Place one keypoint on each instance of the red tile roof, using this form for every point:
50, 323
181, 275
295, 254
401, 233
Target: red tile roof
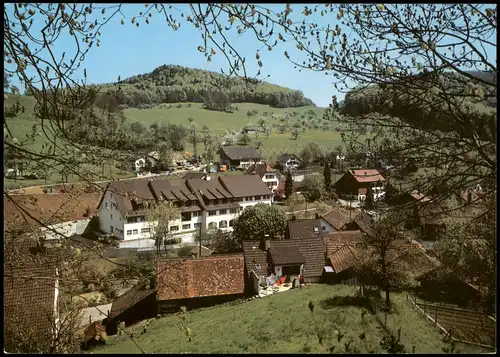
336, 218
210, 276
48, 208
259, 169
367, 175
29, 296
336, 240
343, 258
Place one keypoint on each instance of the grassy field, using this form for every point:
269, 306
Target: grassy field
22, 125
282, 323
220, 122
217, 121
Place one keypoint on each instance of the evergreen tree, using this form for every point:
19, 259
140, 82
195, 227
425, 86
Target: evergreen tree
370, 200
288, 184
327, 174
390, 193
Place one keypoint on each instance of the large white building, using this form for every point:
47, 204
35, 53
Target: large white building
202, 203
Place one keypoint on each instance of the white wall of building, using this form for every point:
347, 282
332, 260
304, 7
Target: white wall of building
109, 216
251, 201
271, 177
278, 271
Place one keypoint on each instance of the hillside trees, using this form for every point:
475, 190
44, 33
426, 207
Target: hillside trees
259, 221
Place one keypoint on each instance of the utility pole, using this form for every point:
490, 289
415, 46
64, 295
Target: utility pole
199, 253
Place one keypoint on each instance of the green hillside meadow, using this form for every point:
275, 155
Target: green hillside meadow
283, 323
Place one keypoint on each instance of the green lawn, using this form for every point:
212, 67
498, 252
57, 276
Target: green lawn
282, 323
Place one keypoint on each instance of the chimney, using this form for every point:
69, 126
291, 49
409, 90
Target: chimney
469, 196
294, 218
207, 177
268, 244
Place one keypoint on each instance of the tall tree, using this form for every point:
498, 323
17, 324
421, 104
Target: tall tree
370, 199
288, 184
159, 217
260, 220
385, 259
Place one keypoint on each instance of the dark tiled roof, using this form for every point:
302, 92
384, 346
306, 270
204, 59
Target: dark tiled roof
286, 255
343, 258
211, 189
286, 157
210, 276
29, 296
304, 228
125, 191
240, 152
336, 240
172, 190
129, 299
246, 185
312, 249
365, 223
193, 175
336, 218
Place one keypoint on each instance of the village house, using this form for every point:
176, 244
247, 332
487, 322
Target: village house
199, 282
354, 184
202, 203
133, 306
346, 249
303, 228
53, 215
335, 220
291, 258
238, 157
289, 161
268, 175
363, 222
141, 163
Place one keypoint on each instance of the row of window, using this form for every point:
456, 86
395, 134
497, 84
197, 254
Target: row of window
222, 211
211, 225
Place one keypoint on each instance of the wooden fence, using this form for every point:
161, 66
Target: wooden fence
461, 325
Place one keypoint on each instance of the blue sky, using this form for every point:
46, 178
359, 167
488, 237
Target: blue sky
127, 50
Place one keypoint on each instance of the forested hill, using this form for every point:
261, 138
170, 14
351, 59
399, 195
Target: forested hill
173, 84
